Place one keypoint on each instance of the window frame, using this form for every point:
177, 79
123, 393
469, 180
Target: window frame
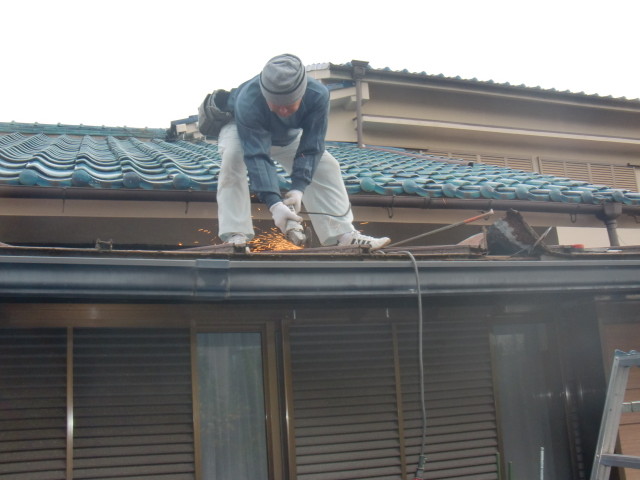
274, 437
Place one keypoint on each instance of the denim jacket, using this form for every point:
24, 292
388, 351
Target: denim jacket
259, 129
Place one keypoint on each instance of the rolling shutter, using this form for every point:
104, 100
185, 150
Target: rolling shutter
517, 163
615, 176
132, 404
461, 420
625, 177
33, 423
346, 413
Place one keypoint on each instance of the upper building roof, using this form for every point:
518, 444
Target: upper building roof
144, 159
347, 68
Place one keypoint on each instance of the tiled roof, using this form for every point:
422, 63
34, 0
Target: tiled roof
120, 161
426, 76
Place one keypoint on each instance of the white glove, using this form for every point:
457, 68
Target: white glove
281, 214
294, 198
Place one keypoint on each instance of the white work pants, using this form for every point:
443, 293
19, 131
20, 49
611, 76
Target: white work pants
325, 194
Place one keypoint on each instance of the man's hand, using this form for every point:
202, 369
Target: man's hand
294, 198
281, 214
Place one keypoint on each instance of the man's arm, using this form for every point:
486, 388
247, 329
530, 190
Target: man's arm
256, 143
311, 148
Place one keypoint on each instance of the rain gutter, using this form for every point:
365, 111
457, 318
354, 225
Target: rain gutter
361, 200
388, 201
221, 280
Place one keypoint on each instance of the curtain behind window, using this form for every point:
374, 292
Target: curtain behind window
232, 409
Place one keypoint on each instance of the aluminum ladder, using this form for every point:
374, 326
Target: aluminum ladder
614, 405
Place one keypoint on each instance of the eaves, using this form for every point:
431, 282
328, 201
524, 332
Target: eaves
490, 88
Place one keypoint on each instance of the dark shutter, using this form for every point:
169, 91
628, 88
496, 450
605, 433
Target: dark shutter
346, 419
132, 404
33, 404
461, 420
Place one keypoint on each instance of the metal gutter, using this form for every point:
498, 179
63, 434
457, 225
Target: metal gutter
220, 280
361, 200
387, 201
88, 193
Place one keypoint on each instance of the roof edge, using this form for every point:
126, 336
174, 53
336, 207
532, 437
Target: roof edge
423, 77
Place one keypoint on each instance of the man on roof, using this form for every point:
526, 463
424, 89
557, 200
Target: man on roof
281, 116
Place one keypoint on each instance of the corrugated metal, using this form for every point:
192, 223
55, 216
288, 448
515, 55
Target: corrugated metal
32, 404
132, 402
346, 419
461, 419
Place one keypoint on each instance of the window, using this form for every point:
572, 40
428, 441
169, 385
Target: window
232, 411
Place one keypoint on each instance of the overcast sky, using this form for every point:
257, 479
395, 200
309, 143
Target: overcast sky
143, 63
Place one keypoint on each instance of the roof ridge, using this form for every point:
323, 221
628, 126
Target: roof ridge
70, 129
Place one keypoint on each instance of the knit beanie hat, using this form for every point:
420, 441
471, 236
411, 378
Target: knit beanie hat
283, 80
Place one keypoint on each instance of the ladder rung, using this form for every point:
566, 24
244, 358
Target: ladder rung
624, 461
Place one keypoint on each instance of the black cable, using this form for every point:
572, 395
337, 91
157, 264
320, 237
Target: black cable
327, 214
423, 406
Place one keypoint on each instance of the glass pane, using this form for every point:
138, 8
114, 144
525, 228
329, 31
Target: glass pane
530, 392
232, 409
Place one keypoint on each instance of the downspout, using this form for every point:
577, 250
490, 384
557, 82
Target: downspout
358, 72
610, 212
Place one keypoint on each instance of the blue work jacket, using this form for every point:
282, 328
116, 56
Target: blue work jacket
259, 128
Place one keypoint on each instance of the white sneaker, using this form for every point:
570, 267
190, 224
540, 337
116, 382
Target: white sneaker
237, 240
356, 238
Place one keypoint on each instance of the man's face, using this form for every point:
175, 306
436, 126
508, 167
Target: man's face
284, 111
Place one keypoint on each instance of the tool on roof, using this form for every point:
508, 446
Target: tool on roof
446, 227
294, 232
604, 458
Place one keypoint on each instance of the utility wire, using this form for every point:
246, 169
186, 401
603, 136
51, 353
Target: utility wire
327, 214
442, 229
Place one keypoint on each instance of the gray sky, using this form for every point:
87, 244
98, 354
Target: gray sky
146, 62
